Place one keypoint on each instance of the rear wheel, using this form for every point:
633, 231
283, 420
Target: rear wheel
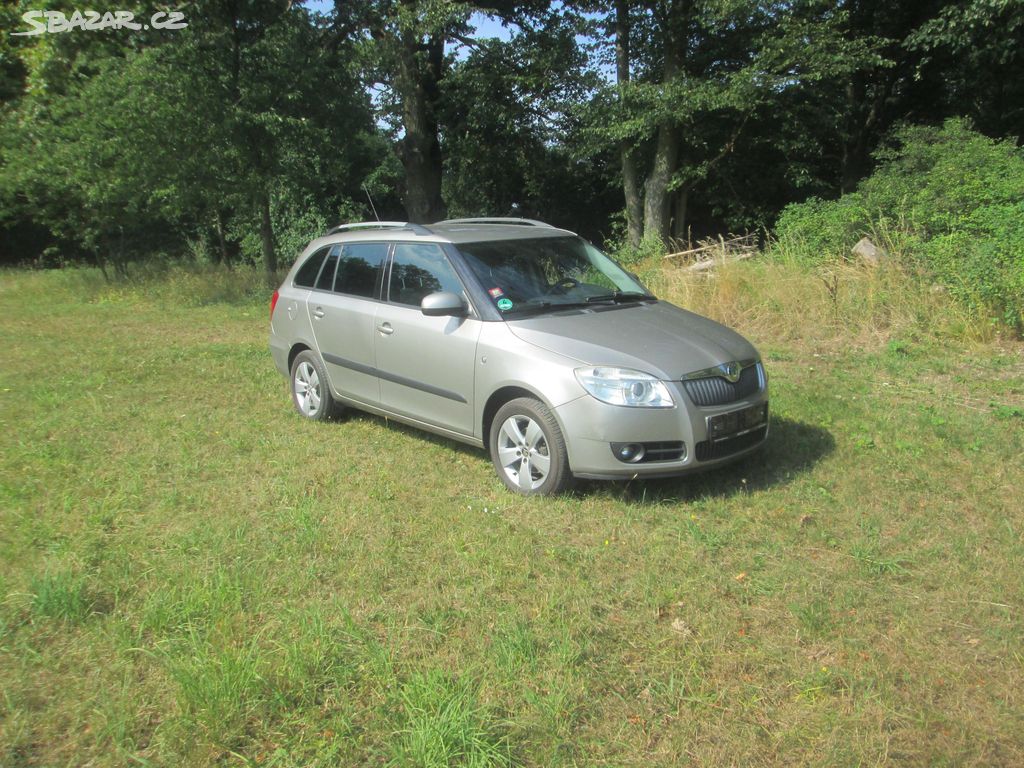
310, 392
528, 450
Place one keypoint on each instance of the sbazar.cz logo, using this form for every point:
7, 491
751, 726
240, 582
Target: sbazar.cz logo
52, 22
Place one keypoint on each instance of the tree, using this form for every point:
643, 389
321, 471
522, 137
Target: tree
404, 54
690, 75
245, 105
499, 158
978, 47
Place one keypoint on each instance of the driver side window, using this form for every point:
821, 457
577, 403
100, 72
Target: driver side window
419, 269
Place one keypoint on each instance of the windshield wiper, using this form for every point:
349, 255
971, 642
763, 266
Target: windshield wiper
544, 306
619, 296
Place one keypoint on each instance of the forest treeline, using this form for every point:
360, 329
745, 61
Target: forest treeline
261, 123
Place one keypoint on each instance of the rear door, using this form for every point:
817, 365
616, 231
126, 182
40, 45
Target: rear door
426, 364
341, 306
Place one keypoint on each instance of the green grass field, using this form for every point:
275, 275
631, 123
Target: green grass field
191, 574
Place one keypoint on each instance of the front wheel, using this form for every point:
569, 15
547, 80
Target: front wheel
310, 391
528, 450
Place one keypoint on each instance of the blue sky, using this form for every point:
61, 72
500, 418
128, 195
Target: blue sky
485, 25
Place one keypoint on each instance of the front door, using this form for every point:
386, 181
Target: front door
426, 364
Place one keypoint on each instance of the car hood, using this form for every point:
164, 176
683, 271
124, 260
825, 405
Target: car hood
656, 337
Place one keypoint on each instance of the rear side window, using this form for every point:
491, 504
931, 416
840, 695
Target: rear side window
326, 279
359, 269
419, 269
306, 276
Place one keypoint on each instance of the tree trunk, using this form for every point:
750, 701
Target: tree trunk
222, 240
630, 170
679, 217
102, 264
119, 257
656, 197
852, 161
634, 195
421, 148
666, 149
267, 240
864, 114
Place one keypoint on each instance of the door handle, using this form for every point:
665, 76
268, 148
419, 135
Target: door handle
385, 329
318, 313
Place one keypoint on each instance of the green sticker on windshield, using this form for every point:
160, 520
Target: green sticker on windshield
504, 304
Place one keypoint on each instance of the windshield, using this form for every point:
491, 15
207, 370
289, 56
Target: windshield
549, 273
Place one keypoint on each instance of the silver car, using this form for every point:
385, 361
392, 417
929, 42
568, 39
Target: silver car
520, 338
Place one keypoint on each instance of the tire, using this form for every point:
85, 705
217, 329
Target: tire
311, 394
526, 424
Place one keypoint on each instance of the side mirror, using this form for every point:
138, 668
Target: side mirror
443, 303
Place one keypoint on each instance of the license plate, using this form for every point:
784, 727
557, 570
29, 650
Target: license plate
737, 422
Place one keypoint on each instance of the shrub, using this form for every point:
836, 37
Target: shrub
650, 247
946, 202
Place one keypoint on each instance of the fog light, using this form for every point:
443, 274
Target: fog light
628, 452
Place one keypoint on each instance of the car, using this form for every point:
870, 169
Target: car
520, 338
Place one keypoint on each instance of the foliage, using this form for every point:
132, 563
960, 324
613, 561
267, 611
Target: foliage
704, 76
946, 201
498, 160
244, 109
651, 248
244, 134
972, 61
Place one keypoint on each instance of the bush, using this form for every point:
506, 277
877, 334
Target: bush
650, 247
946, 202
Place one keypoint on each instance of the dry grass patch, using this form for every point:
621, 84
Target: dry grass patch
837, 307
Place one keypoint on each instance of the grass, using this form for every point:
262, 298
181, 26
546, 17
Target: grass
190, 574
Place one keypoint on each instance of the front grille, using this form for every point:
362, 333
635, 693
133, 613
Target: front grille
708, 451
715, 390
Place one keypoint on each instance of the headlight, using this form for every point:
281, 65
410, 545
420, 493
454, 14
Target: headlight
623, 386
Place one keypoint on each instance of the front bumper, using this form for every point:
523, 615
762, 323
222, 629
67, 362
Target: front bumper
590, 427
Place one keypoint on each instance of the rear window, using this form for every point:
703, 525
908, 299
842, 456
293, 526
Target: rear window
359, 269
306, 276
326, 279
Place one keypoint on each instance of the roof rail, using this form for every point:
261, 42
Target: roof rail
499, 220
419, 229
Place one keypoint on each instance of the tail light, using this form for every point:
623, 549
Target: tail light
273, 303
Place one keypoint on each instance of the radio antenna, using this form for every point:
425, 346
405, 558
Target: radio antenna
372, 206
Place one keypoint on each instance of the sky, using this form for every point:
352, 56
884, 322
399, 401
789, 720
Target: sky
485, 25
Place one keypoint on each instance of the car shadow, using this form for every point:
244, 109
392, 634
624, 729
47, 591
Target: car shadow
351, 414
792, 448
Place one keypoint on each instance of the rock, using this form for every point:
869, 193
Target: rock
869, 253
936, 288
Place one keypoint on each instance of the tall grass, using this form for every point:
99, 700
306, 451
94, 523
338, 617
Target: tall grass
177, 283
189, 285
220, 684
444, 725
833, 305
61, 595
